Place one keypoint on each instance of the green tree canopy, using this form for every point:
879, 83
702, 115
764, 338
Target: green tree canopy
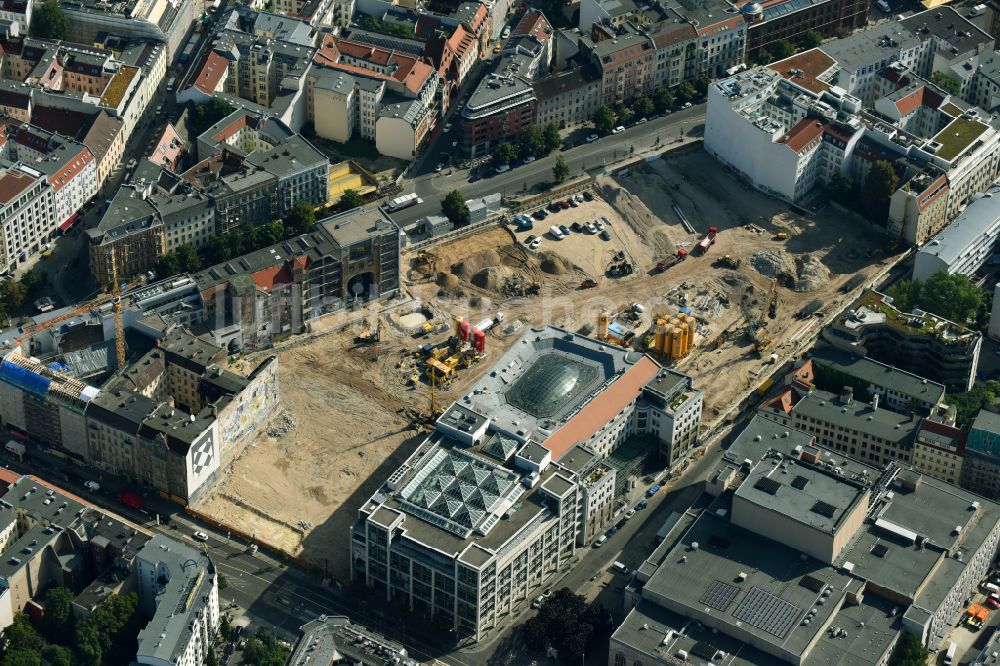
349, 200
59, 621
663, 99
879, 186
810, 39
909, 652
48, 20
203, 116
505, 153
263, 649
625, 115
455, 209
684, 93
782, 49
560, 170
567, 622
551, 139
951, 296
301, 219
946, 82
604, 119
905, 294
643, 106
531, 143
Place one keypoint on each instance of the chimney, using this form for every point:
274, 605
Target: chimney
847, 395
874, 402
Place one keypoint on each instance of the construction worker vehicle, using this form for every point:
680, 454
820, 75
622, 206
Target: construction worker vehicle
781, 235
708, 241
729, 261
672, 261
588, 283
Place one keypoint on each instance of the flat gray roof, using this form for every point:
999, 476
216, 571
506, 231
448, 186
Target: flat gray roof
981, 218
357, 225
880, 374
858, 416
871, 45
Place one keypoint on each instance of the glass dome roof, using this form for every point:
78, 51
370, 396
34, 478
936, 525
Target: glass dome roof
549, 384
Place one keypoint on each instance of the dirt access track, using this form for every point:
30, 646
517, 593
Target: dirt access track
348, 409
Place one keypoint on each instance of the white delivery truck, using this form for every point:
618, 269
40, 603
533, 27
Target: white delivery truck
17, 448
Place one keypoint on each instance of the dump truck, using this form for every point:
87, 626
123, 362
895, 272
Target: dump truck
729, 261
588, 283
672, 261
708, 241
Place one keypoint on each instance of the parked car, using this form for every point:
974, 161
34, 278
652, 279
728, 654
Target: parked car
564, 204
629, 513
556, 232
92, 486
576, 227
503, 168
641, 505
618, 130
600, 541
613, 531
687, 105
591, 229
599, 225
605, 235
565, 230
573, 203
540, 214
200, 536
592, 138
587, 196
535, 244
528, 239
447, 128
529, 159
438, 168
554, 207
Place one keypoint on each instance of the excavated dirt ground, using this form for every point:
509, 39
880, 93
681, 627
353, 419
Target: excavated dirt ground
352, 406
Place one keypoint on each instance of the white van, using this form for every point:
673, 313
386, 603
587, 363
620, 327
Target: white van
556, 233
884, 6
949, 656
620, 567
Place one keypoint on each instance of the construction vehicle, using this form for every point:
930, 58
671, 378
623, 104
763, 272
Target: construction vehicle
425, 329
729, 261
672, 261
781, 235
756, 330
619, 265
708, 241
588, 283
772, 299
370, 337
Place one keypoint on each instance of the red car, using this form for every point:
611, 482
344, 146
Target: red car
564, 204
992, 601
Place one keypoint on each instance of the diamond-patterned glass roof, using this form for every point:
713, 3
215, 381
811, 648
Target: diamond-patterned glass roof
457, 491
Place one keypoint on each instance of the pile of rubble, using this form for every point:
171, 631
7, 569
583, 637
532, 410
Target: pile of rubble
813, 274
801, 274
280, 425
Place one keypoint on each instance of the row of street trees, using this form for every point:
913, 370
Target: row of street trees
662, 99
532, 142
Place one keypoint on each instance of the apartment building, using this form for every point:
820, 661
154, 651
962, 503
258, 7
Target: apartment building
939, 450
940, 350
898, 390
965, 245
267, 295
790, 20
17, 12
153, 20
27, 211
568, 98
68, 165
626, 60
178, 589
853, 428
175, 417
500, 107
845, 545
981, 467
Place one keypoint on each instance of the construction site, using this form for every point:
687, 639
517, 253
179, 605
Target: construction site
702, 273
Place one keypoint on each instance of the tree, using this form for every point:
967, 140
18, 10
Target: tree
810, 39
701, 85
560, 170
187, 258
21, 635
48, 21
455, 209
909, 652
59, 621
505, 153
205, 115
531, 143
905, 294
56, 655
604, 119
842, 189
782, 49
263, 649
879, 186
551, 139
567, 622
350, 200
167, 266
946, 82
951, 296
685, 93
643, 106
624, 115
969, 403
223, 582
301, 219
663, 99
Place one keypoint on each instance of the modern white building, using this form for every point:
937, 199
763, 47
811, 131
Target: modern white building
27, 213
178, 589
967, 243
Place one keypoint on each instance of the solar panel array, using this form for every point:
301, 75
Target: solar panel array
720, 595
768, 612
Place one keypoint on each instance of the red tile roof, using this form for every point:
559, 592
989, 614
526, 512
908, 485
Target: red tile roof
535, 24
922, 96
12, 183
782, 402
272, 277
62, 178
603, 408
212, 69
803, 134
804, 68
957, 434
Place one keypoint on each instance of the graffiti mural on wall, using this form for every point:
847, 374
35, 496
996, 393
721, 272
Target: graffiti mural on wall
250, 409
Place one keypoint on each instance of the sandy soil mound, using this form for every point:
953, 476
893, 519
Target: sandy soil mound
771, 263
447, 280
813, 274
474, 264
552, 264
490, 278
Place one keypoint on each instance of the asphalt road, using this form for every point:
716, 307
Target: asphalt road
586, 157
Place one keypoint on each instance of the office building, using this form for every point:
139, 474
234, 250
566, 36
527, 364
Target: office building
805, 557
334, 639
965, 245
939, 450
161, 21
27, 211
918, 342
981, 468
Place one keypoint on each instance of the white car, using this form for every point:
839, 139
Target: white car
591, 229
503, 168
618, 130
529, 159
629, 513
93, 486
439, 167
535, 244
447, 128
599, 225
687, 105
200, 536
592, 138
